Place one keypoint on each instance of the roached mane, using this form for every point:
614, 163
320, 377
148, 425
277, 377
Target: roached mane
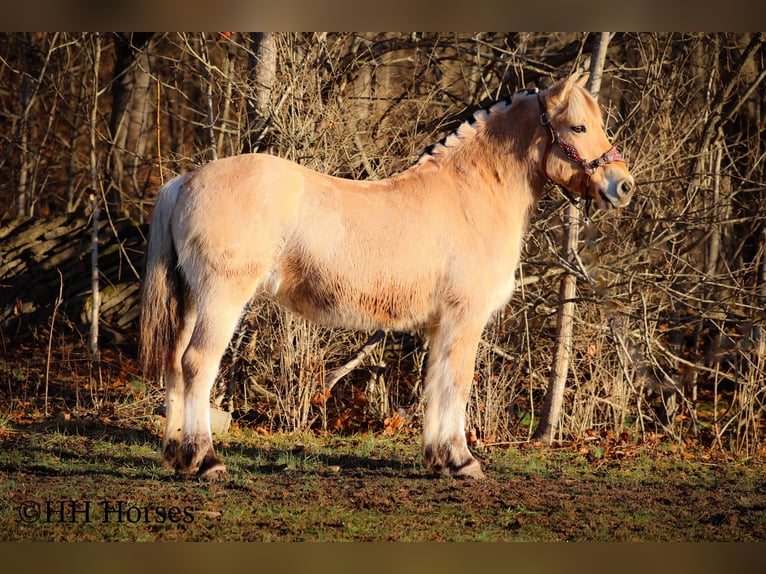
578, 106
466, 131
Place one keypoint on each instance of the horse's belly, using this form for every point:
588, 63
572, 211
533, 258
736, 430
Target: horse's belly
325, 296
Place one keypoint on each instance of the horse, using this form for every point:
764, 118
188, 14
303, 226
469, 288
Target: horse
434, 248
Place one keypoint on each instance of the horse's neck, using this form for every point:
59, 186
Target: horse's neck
483, 166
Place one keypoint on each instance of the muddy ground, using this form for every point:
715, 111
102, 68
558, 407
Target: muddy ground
104, 483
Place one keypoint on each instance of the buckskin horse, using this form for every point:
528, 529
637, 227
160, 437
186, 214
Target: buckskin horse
434, 247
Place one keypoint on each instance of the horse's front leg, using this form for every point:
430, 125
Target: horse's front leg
451, 360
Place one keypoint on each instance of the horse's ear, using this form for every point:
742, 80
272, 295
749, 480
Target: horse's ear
559, 92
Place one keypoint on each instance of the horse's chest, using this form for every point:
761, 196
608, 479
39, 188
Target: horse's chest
503, 275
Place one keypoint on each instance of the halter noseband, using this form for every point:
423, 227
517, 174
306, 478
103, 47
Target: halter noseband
589, 167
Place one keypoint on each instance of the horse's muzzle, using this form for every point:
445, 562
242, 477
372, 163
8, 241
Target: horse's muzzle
616, 192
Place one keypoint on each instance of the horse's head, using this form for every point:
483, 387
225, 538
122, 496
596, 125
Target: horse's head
578, 154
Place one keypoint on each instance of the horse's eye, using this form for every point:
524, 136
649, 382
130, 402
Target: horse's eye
579, 129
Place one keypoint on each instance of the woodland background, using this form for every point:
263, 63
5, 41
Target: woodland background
669, 324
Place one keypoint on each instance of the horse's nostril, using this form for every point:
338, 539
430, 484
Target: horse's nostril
626, 187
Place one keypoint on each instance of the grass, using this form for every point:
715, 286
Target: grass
362, 488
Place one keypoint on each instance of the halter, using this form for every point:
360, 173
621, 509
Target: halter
589, 167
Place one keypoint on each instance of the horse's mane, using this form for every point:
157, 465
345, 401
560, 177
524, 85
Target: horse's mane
466, 131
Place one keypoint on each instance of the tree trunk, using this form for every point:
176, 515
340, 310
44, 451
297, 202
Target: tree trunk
35, 69
131, 116
207, 89
96, 294
263, 61
554, 398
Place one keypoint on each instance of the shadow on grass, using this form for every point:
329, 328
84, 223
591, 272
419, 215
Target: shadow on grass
91, 427
350, 465
93, 447
81, 447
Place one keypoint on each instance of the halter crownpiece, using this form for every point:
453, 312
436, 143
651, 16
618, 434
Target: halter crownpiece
570, 151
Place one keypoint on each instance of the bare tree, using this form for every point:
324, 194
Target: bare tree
131, 117
554, 398
36, 60
262, 63
95, 193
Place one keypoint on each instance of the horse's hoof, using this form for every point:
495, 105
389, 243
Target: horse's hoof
171, 454
214, 472
471, 471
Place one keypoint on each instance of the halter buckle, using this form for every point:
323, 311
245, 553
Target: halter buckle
545, 119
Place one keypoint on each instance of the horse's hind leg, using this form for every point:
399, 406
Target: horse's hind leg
174, 389
217, 317
451, 360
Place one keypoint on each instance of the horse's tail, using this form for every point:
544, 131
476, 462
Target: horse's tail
161, 292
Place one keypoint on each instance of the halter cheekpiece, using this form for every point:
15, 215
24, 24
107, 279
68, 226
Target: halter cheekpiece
570, 151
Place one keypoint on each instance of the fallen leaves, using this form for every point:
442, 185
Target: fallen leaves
320, 397
392, 424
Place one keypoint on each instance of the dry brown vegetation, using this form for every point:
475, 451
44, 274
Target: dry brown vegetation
669, 324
